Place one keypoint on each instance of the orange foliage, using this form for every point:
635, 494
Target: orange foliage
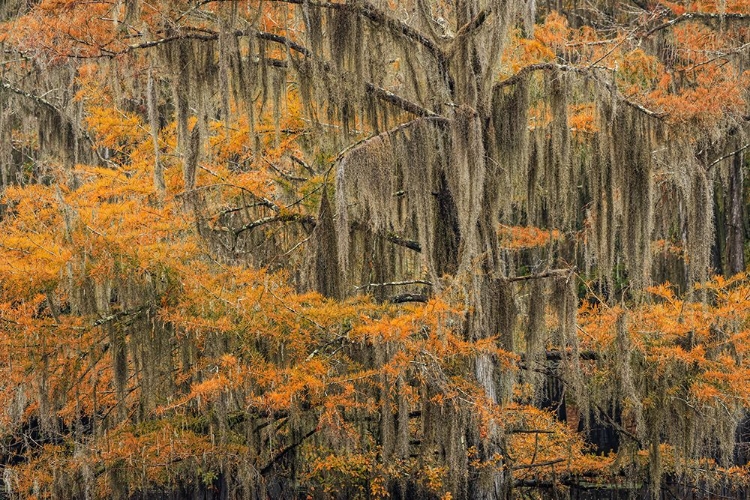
520, 237
100, 273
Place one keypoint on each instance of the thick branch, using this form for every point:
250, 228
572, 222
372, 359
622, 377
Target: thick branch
373, 14
47, 104
275, 218
377, 16
118, 315
535, 483
378, 92
547, 274
530, 431
728, 155
559, 355
285, 451
539, 464
362, 142
527, 70
474, 24
556, 355
39, 100
587, 72
399, 102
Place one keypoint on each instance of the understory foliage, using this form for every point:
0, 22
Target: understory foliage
416, 249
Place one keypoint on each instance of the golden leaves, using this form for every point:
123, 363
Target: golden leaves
520, 237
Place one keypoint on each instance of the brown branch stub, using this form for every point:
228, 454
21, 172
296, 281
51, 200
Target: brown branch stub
410, 297
398, 240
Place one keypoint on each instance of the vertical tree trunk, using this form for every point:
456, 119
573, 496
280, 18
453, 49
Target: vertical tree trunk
735, 209
720, 237
152, 102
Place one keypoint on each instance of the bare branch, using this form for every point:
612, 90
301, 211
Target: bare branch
39, 100
728, 155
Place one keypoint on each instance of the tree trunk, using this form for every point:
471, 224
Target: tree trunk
735, 210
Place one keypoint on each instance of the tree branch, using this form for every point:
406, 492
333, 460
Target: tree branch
689, 16
436, 118
728, 155
586, 72
377, 16
546, 274
400, 102
398, 240
309, 219
118, 315
474, 24
380, 93
39, 100
538, 464
394, 283
281, 454
556, 355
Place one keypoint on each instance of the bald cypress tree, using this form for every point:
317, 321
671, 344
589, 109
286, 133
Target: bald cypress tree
317, 170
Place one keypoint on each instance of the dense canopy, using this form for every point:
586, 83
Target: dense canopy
360, 249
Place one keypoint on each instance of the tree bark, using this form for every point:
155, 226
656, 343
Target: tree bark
735, 211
